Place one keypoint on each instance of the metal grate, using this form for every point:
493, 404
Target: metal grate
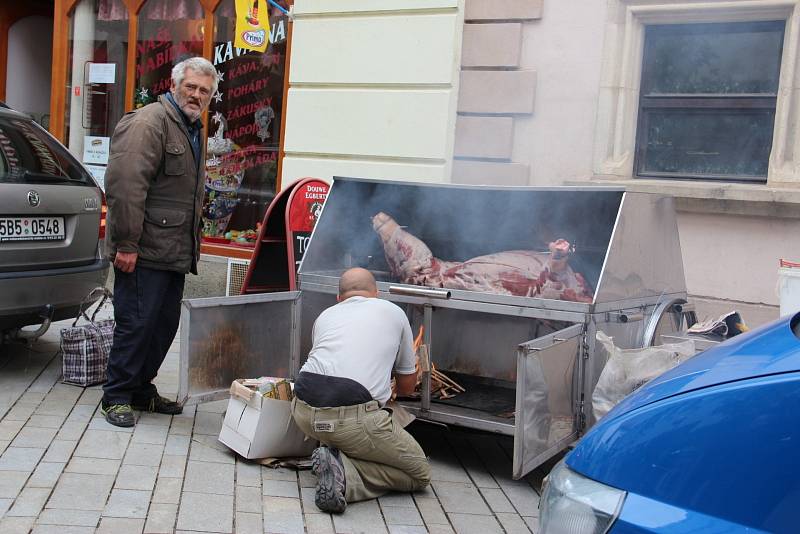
237, 270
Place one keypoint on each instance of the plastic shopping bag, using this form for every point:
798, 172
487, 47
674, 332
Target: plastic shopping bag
627, 370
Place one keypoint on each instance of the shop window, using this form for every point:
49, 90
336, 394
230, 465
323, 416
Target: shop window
707, 100
96, 73
169, 31
243, 130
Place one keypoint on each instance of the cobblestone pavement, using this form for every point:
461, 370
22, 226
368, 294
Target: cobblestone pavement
63, 469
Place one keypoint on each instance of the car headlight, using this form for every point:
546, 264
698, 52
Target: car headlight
574, 504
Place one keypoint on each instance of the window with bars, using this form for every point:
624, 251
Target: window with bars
707, 104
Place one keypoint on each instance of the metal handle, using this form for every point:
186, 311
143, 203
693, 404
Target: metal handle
420, 292
685, 307
630, 317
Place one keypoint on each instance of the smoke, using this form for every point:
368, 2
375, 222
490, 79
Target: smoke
458, 223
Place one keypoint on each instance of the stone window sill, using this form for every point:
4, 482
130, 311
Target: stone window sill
711, 197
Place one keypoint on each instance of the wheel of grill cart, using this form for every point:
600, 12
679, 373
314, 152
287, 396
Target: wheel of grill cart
670, 316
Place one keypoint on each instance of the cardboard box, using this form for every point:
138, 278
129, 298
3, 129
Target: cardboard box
259, 427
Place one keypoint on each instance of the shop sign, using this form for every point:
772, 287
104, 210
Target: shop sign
95, 149
226, 51
252, 25
305, 207
102, 72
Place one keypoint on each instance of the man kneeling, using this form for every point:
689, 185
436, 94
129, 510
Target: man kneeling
341, 391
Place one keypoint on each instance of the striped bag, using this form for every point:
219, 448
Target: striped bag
85, 348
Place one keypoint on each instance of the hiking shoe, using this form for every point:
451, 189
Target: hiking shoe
118, 414
325, 463
158, 404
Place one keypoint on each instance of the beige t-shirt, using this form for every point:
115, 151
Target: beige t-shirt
362, 339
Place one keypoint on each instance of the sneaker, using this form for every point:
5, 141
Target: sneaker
118, 414
325, 463
158, 404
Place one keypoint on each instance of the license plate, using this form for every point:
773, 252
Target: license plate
32, 229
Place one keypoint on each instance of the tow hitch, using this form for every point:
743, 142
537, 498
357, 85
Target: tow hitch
18, 334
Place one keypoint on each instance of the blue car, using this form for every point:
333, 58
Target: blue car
711, 446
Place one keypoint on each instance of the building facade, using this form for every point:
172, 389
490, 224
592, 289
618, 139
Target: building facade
694, 99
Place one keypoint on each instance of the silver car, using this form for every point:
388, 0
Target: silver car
50, 228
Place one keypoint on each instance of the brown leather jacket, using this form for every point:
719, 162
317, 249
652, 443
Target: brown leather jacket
154, 189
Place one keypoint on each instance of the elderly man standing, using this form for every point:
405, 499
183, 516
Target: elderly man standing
154, 187
341, 391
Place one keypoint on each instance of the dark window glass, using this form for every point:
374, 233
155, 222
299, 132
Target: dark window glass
720, 143
98, 33
714, 58
28, 154
707, 105
168, 33
244, 125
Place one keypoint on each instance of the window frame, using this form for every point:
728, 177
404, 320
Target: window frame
618, 88
696, 102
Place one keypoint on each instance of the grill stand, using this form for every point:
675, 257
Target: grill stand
542, 352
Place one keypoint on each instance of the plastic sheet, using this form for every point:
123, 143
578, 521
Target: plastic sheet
627, 370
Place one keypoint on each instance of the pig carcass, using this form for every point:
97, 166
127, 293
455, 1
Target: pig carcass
523, 273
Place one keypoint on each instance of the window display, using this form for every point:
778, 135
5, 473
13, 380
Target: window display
243, 123
243, 131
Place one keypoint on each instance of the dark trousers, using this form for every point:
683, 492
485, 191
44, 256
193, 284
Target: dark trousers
147, 306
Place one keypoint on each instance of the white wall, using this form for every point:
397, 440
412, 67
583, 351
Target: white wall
30, 60
565, 49
372, 89
736, 257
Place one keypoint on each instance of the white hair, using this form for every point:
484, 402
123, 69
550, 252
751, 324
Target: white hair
197, 64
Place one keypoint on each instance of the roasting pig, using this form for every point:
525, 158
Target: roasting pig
524, 273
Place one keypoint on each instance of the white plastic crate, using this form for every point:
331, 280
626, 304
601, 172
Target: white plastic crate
789, 287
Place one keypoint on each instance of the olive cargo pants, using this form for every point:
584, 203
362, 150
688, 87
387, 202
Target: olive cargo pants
378, 455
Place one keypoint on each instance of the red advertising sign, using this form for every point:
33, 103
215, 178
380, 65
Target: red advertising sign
305, 206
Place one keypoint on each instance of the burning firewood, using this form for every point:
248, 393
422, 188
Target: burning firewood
441, 385
446, 379
418, 340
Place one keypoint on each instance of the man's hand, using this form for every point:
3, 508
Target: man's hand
125, 261
405, 384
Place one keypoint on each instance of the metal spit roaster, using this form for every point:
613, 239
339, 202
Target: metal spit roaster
527, 364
